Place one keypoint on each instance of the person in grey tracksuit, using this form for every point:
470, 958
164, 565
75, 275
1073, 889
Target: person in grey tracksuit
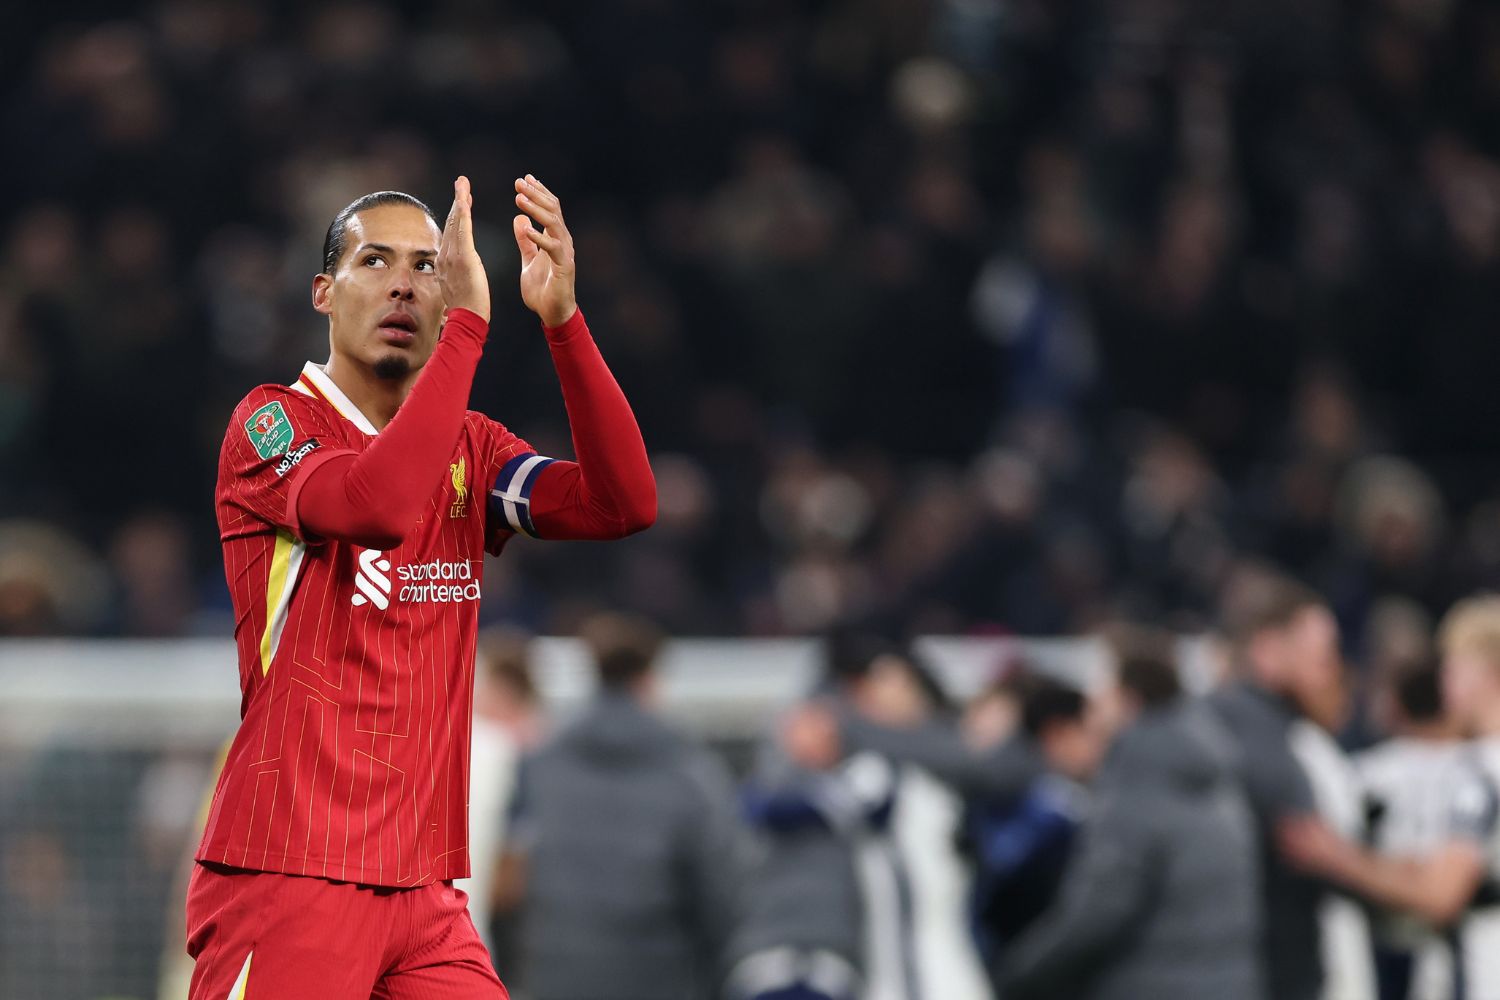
1285, 647
1161, 899
632, 847
1260, 723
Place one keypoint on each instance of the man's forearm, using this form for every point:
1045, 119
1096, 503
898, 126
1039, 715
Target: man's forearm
609, 491
1436, 889
1005, 771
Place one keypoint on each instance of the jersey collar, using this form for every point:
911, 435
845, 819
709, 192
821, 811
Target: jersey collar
314, 381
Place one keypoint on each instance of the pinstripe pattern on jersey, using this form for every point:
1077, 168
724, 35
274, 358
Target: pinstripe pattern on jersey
351, 761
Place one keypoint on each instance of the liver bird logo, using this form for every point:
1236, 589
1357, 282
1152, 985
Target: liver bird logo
459, 474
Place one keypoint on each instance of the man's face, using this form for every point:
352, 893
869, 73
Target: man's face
1074, 747
383, 301
1316, 665
990, 719
1301, 660
890, 694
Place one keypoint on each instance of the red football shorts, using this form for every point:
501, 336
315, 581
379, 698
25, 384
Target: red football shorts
260, 935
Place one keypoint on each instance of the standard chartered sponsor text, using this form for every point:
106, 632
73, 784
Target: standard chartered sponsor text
439, 581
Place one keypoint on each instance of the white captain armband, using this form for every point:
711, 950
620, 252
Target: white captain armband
511, 496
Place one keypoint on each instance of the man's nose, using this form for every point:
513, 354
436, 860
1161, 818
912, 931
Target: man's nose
401, 286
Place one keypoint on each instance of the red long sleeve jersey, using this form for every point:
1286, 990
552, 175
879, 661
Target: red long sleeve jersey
356, 665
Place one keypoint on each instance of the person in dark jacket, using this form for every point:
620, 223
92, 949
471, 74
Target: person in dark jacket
632, 863
1021, 849
1161, 900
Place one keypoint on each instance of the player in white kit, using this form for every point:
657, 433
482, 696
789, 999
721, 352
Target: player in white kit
1454, 886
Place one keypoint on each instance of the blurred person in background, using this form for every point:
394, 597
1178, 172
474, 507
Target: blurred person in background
1161, 897
1348, 946
1451, 885
1408, 782
626, 843
1323, 689
900, 689
50, 583
508, 722
1284, 644
149, 558
905, 763
1021, 849
889, 704
56, 928
819, 822
1390, 518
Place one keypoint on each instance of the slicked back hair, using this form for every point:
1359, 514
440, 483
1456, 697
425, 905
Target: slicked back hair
338, 231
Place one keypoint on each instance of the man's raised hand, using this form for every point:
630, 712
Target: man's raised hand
547, 264
460, 272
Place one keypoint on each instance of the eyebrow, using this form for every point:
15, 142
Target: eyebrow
382, 248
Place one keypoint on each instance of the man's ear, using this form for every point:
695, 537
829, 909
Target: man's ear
322, 294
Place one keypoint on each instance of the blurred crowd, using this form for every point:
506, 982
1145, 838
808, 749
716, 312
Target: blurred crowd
1117, 839
963, 314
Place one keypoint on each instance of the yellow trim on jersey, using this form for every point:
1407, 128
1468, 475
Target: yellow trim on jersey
281, 562
237, 991
320, 394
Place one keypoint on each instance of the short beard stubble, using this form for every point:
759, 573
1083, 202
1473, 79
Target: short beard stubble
392, 368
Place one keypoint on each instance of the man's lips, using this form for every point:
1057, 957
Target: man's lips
399, 328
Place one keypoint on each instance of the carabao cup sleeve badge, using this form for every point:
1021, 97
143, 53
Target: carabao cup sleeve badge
270, 430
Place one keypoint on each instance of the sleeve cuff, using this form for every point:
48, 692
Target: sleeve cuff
468, 321
572, 328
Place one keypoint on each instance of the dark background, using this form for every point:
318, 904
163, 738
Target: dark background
977, 314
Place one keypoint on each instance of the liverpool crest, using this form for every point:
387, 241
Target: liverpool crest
460, 505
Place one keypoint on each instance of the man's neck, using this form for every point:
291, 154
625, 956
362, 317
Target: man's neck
377, 398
